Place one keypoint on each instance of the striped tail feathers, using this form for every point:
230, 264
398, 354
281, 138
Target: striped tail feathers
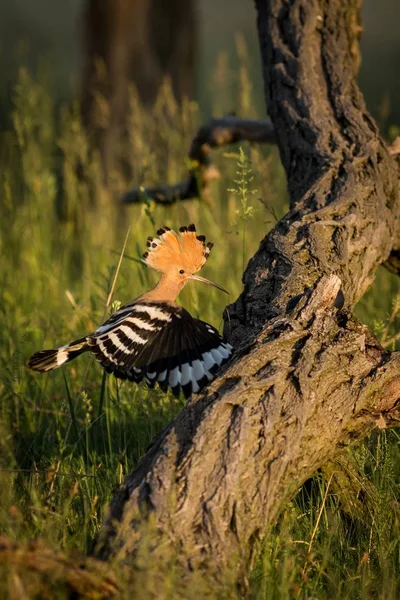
47, 360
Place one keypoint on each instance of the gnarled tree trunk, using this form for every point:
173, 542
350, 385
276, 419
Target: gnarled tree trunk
307, 378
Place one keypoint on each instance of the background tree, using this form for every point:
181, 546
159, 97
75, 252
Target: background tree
133, 42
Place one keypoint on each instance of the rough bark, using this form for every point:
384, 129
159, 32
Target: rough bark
307, 378
136, 42
342, 181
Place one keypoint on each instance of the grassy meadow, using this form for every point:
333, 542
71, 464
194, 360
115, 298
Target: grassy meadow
68, 438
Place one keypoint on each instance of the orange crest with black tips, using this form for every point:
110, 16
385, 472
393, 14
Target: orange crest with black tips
184, 249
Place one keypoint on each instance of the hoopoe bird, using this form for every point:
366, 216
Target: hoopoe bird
152, 337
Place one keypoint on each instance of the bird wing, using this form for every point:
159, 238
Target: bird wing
161, 343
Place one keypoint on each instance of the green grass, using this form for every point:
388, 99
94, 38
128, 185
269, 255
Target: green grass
317, 551
68, 438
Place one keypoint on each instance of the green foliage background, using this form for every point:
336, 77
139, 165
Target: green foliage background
68, 438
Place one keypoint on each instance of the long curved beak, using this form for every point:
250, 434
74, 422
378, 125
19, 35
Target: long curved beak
204, 280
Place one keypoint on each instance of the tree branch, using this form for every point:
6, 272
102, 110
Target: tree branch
217, 133
307, 378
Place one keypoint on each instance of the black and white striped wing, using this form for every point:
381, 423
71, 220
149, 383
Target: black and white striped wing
162, 344
121, 339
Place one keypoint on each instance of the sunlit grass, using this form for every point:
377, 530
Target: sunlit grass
69, 438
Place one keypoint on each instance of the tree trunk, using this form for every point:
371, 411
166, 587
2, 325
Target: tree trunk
136, 42
307, 378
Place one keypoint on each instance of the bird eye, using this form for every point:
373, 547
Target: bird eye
181, 271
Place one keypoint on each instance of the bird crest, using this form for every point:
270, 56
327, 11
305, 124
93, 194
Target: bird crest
184, 249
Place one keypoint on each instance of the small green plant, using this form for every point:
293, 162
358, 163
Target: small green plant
243, 192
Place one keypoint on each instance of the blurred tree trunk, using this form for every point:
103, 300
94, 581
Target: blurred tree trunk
133, 42
307, 378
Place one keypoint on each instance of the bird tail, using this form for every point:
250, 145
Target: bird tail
47, 360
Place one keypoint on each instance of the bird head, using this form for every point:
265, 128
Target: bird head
179, 256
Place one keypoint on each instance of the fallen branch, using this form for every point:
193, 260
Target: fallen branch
35, 570
217, 133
